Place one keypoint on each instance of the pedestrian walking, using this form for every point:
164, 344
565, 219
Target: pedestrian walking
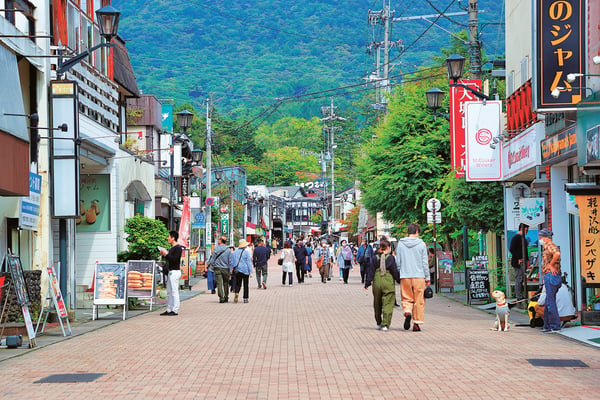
344, 260
220, 263
300, 254
519, 258
413, 265
241, 261
323, 261
287, 255
552, 280
260, 259
364, 255
308, 265
274, 245
382, 273
173, 257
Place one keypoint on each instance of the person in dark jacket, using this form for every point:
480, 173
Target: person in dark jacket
520, 258
259, 259
300, 254
363, 258
382, 273
173, 257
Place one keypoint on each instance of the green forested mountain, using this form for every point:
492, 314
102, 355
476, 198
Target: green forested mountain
247, 54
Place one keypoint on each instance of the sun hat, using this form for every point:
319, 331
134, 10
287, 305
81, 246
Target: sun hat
243, 243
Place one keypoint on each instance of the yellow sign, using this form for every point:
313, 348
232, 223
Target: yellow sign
63, 88
589, 229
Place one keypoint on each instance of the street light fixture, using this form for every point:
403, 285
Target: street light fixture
184, 119
455, 64
434, 98
108, 21
196, 156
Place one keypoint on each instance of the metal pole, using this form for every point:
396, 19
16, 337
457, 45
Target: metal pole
474, 47
232, 189
208, 209
171, 178
331, 133
435, 262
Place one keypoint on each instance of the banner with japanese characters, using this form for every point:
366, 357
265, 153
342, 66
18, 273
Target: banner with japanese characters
458, 97
559, 50
589, 236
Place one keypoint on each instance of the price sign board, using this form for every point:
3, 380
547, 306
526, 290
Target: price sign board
110, 280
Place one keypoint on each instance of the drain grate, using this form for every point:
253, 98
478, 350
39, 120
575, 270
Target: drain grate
70, 378
555, 362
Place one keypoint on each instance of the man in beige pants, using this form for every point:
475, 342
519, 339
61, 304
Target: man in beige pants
412, 263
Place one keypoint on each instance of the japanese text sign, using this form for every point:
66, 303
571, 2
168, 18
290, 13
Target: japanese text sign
589, 233
532, 211
560, 50
458, 97
483, 124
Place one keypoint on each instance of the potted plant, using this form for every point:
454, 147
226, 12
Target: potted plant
593, 302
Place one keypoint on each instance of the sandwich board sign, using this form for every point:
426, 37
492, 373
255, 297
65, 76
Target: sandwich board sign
18, 282
110, 280
54, 303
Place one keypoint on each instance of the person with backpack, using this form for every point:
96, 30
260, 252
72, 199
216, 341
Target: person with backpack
344, 260
363, 258
323, 261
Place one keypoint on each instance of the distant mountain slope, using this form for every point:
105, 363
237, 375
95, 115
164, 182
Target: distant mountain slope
246, 54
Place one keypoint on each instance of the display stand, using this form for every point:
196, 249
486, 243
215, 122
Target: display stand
140, 280
18, 282
54, 303
110, 286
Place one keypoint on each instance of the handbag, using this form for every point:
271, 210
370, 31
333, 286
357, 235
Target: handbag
280, 260
428, 292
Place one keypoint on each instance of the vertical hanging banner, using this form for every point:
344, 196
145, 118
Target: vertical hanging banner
458, 97
483, 124
559, 50
589, 236
184, 225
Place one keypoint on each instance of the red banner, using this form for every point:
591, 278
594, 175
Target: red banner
458, 96
184, 225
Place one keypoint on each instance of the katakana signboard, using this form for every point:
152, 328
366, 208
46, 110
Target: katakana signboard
560, 50
589, 232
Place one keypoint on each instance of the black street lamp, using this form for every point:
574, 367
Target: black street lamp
184, 119
455, 64
108, 21
434, 98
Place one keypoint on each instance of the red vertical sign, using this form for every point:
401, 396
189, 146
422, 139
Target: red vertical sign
458, 97
184, 225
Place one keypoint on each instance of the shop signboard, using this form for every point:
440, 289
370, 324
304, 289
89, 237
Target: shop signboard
110, 280
532, 211
589, 232
445, 270
140, 278
458, 97
559, 49
478, 284
523, 152
592, 144
18, 281
560, 147
30, 206
483, 124
94, 203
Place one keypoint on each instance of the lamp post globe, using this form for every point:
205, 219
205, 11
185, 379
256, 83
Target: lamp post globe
434, 98
197, 156
108, 20
455, 64
184, 119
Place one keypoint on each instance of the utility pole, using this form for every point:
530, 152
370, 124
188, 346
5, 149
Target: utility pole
208, 209
330, 116
231, 192
382, 72
474, 44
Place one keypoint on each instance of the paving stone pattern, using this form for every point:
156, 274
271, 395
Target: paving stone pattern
310, 341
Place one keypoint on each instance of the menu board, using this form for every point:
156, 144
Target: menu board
109, 284
140, 278
18, 280
478, 284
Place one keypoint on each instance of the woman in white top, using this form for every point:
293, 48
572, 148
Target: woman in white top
287, 255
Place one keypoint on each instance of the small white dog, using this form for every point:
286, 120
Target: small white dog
502, 311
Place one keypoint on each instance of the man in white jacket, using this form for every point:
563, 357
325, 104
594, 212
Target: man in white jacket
412, 263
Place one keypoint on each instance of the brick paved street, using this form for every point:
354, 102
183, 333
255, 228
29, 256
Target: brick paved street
314, 341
